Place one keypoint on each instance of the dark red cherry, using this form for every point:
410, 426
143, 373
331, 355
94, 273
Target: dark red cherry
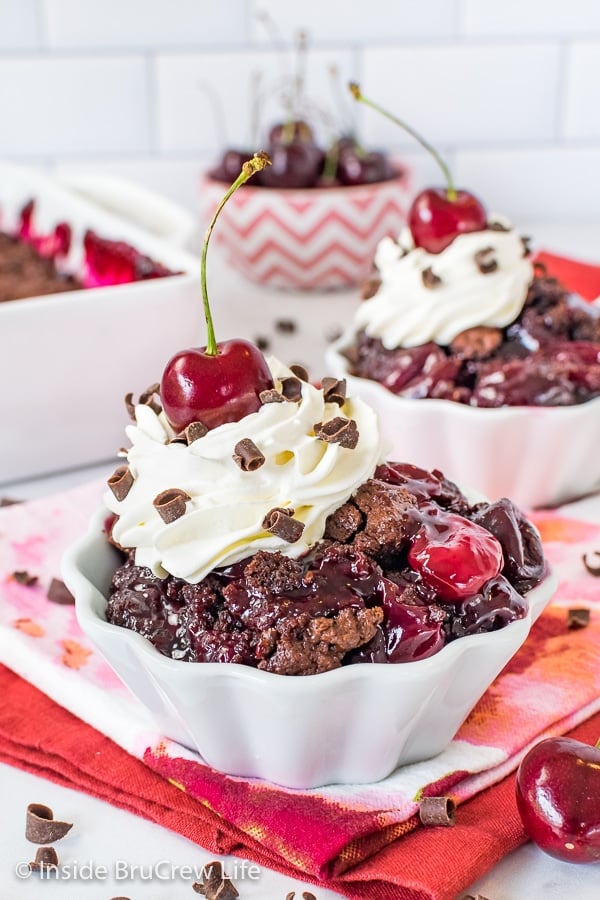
454, 556
558, 798
213, 389
360, 167
290, 132
411, 631
228, 167
438, 215
294, 165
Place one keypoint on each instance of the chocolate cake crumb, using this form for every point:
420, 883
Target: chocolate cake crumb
344, 522
273, 572
389, 520
476, 343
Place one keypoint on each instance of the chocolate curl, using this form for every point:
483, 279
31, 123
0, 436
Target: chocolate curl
247, 455
593, 570
41, 827
120, 482
147, 397
170, 504
24, 577
59, 593
370, 288
485, 262
338, 431
334, 390
306, 895
300, 372
45, 858
280, 522
193, 432
285, 326
578, 618
526, 241
497, 226
291, 388
271, 396
430, 279
130, 406
437, 811
215, 885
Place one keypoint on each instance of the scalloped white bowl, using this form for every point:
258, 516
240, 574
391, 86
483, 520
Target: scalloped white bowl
350, 725
537, 456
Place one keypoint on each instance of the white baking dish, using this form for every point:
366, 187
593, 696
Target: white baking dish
67, 360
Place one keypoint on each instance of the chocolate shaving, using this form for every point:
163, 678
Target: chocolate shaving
59, 593
430, 279
285, 326
280, 522
193, 432
300, 372
45, 858
214, 884
578, 618
130, 406
271, 396
147, 397
437, 811
23, 577
41, 827
593, 570
334, 390
291, 388
263, 343
338, 431
247, 455
497, 226
540, 269
120, 482
306, 895
9, 501
485, 262
170, 504
370, 288
526, 241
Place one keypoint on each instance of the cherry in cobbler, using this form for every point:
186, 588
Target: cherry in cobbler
405, 566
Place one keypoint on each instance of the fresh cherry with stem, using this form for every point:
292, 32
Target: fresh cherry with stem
558, 798
437, 215
220, 382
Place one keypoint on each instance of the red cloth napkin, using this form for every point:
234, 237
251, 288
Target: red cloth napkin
579, 277
428, 864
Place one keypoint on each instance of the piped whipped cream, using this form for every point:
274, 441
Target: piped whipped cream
481, 278
227, 506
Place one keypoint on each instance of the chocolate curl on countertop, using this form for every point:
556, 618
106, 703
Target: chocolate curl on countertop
437, 811
41, 827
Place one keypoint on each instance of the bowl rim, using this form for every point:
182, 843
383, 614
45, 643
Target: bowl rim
87, 594
401, 174
335, 357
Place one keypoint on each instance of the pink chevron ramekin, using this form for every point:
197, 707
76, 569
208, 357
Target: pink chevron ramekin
308, 239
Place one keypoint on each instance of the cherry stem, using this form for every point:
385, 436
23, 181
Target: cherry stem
358, 95
597, 744
258, 162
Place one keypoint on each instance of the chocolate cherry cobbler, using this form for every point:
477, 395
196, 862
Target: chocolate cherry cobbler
260, 526
281, 541
458, 311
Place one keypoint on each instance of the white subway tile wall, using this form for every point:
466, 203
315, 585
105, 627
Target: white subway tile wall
510, 92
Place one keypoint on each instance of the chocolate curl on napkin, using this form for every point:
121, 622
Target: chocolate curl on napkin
427, 864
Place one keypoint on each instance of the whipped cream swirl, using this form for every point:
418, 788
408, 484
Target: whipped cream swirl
223, 521
406, 312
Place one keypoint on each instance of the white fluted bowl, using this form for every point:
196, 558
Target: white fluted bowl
538, 456
351, 725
